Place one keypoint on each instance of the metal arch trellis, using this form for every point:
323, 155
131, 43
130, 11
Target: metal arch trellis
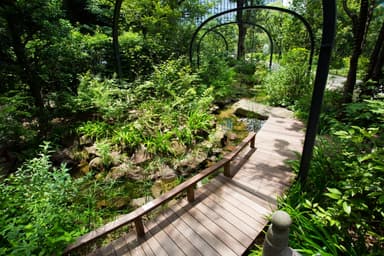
235, 22
224, 39
257, 7
327, 41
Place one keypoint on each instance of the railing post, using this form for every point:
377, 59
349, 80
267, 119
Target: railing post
191, 194
276, 240
139, 227
252, 144
227, 169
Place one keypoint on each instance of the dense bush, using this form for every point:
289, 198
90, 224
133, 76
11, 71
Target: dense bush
217, 74
16, 120
340, 209
38, 209
290, 83
169, 106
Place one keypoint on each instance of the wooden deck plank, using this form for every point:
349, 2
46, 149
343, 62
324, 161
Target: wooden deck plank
147, 249
236, 202
199, 243
137, 251
235, 231
233, 207
121, 245
164, 240
230, 216
252, 201
218, 231
151, 241
108, 250
167, 218
203, 232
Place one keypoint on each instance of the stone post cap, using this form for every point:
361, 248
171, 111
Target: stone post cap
281, 220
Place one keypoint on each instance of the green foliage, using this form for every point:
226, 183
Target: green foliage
16, 122
287, 85
128, 136
217, 74
94, 130
342, 200
365, 113
37, 211
169, 106
43, 208
308, 234
102, 96
104, 149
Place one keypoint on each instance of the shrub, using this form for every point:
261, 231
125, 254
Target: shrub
37, 213
287, 85
16, 119
218, 75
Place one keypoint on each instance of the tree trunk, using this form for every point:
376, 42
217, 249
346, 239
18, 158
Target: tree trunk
377, 73
27, 75
359, 28
242, 31
374, 59
115, 37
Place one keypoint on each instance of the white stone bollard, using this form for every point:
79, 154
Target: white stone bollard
276, 240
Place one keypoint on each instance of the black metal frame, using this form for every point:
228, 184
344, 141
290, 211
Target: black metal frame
221, 35
258, 7
230, 23
327, 41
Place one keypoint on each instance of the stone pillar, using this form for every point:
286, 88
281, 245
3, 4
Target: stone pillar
276, 240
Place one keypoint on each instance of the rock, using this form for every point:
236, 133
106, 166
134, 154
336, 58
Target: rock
161, 186
85, 141
218, 136
64, 156
241, 112
115, 158
100, 176
231, 136
92, 150
167, 173
191, 162
141, 155
178, 148
157, 189
207, 144
96, 163
138, 202
83, 167
125, 170
120, 203
101, 204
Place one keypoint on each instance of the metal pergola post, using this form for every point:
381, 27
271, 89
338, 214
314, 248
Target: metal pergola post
327, 41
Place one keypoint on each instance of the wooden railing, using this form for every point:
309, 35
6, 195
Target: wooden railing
189, 186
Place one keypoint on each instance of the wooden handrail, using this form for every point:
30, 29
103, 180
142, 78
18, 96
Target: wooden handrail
136, 215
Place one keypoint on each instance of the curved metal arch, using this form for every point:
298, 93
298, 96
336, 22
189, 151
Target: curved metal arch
235, 22
224, 39
257, 7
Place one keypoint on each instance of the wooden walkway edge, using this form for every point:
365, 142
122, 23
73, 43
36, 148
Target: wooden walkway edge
227, 214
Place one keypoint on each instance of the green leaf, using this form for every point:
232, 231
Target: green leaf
347, 208
334, 193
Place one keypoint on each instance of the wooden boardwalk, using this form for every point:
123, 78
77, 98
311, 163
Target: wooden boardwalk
227, 214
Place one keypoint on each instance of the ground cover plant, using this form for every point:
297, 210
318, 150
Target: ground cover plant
339, 211
127, 118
